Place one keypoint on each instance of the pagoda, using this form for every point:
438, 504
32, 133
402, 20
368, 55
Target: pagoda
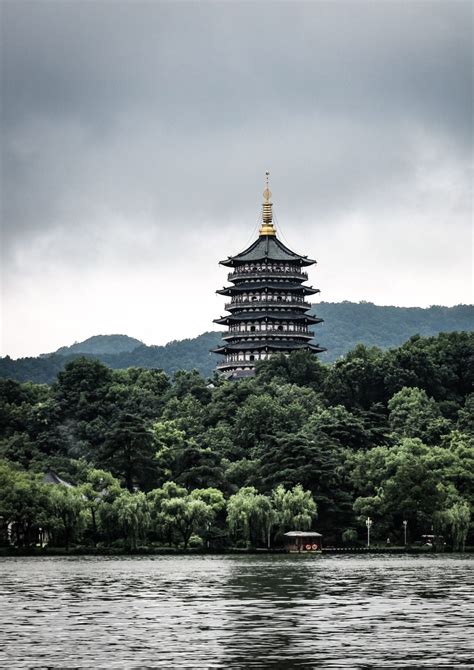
268, 311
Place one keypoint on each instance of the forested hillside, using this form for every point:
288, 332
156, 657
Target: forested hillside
180, 461
345, 325
100, 344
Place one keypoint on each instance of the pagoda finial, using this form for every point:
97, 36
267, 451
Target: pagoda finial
267, 216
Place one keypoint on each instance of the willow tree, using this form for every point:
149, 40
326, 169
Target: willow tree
98, 491
178, 514
251, 516
68, 511
133, 516
294, 508
456, 520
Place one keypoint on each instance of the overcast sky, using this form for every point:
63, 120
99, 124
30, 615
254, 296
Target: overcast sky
135, 137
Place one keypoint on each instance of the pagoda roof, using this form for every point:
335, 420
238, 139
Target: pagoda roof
266, 344
271, 316
52, 477
258, 286
267, 247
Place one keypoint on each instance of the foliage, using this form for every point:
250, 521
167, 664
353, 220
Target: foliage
181, 514
133, 517
68, 507
456, 520
413, 414
128, 451
346, 324
189, 461
253, 517
250, 516
25, 506
294, 508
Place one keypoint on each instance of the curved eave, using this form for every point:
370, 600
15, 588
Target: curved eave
270, 316
267, 247
244, 288
290, 345
261, 305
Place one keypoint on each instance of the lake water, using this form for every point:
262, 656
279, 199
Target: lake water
237, 612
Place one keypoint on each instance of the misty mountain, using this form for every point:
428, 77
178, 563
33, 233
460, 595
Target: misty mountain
345, 325
101, 344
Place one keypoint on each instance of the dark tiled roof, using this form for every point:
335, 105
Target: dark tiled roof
271, 316
51, 477
274, 286
267, 247
289, 345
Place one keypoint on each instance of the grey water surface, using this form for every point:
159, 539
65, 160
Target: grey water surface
237, 612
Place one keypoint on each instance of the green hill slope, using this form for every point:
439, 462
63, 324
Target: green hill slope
349, 323
346, 324
101, 344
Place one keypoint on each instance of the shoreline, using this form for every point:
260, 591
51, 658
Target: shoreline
36, 552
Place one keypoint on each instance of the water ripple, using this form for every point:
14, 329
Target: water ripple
239, 612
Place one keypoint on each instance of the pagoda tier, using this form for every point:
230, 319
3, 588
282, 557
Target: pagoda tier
253, 288
268, 311
267, 250
235, 319
266, 345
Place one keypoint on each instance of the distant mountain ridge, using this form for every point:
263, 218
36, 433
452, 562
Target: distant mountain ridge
101, 344
345, 325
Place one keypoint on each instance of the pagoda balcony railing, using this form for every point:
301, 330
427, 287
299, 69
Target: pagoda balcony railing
242, 334
258, 274
235, 363
266, 303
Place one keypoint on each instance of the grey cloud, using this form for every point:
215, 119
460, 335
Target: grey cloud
228, 62
128, 126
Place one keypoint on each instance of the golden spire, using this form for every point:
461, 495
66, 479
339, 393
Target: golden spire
267, 216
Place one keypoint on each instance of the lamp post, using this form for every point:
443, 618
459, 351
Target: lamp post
405, 524
368, 523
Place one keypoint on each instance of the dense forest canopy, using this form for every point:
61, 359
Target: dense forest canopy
346, 324
189, 460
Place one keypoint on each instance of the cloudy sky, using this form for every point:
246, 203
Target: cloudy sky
135, 137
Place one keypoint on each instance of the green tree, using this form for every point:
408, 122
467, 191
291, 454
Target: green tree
317, 462
250, 516
81, 389
466, 415
129, 452
300, 367
242, 473
99, 489
457, 520
188, 414
443, 366
341, 425
295, 508
397, 483
169, 440
24, 504
357, 381
133, 516
179, 514
190, 382
68, 511
262, 416
413, 414
163, 524
188, 516
183, 460
198, 468
139, 392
